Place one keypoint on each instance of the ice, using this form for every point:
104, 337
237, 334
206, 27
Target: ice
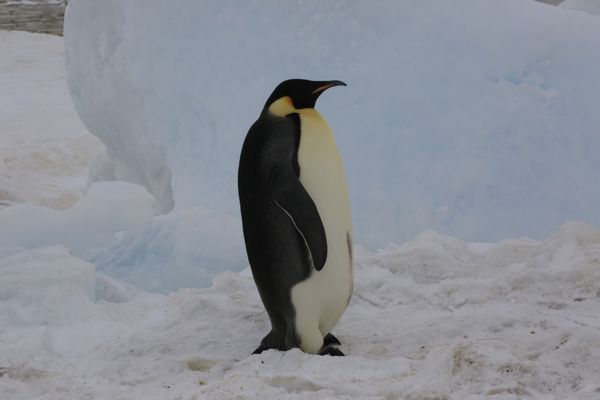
114, 226
44, 155
450, 121
90, 226
590, 6
433, 318
185, 248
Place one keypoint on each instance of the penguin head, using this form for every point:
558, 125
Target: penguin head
301, 92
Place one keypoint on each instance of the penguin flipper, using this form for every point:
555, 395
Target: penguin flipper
295, 201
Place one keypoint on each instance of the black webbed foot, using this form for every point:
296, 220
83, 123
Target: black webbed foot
331, 351
261, 348
271, 341
329, 339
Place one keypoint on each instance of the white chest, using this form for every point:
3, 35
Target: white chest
322, 175
321, 299
327, 292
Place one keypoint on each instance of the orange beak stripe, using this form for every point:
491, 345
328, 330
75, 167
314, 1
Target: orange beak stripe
321, 88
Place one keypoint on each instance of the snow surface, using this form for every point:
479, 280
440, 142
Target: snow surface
434, 318
44, 148
37, 2
107, 211
45, 152
451, 121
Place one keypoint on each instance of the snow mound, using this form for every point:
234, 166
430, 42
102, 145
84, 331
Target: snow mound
45, 155
47, 172
450, 121
114, 226
46, 286
185, 248
44, 148
434, 318
87, 227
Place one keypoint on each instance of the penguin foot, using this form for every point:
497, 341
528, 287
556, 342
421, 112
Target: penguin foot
329, 339
271, 341
261, 348
331, 351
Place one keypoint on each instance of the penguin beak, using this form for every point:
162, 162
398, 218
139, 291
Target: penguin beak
326, 85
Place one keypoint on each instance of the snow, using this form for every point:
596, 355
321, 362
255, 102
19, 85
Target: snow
430, 319
47, 155
450, 121
36, 2
45, 287
107, 210
511, 154
44, 148
35, 108
100, 292
185, 248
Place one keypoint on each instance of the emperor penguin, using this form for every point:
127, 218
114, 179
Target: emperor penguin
296, 219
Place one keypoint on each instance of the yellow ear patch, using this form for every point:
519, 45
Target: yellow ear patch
282, 107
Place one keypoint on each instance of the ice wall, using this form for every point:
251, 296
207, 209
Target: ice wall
589, 6
474, 118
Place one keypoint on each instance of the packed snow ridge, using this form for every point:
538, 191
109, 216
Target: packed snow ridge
434, 318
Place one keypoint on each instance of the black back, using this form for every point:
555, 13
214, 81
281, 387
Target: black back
278, 252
